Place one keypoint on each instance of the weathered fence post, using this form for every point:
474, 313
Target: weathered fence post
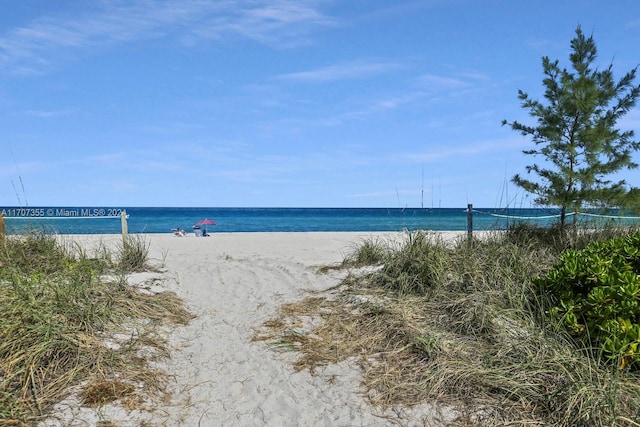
123, 221
470, 221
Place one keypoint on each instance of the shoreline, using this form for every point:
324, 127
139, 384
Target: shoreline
233, 283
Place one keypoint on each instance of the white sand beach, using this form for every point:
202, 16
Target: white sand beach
233, 283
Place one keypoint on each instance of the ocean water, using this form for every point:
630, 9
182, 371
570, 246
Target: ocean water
77, 220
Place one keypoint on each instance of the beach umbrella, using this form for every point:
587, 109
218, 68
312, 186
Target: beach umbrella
206, 222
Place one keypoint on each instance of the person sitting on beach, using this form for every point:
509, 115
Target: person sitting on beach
179, 232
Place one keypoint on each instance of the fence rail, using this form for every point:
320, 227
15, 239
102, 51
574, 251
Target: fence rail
471, 211
35, 215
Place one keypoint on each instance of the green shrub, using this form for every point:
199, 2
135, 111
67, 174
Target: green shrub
597, 296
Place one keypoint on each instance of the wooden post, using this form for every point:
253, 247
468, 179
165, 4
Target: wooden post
470, 221
123, 220
2, 227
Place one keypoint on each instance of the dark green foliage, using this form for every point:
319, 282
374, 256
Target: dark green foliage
597, 295
576, 136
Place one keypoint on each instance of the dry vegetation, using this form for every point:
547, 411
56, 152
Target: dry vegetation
461, 325
71, 322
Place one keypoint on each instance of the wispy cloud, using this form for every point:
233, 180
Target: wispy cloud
280, 24
475, 148
424, 88
33, 46
438, 82
382, 105
352, 70
47, 114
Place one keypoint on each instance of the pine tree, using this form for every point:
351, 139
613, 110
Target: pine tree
576, 134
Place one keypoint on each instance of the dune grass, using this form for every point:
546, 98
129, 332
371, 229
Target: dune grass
462, 325
60, 309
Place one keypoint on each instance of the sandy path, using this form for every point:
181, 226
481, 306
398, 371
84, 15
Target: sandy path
233, 283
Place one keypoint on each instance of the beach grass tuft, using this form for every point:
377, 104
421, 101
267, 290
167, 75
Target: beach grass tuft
133, 253
370, 251
462, 324
61, 305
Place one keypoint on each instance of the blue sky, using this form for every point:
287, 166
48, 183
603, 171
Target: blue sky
308, 103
